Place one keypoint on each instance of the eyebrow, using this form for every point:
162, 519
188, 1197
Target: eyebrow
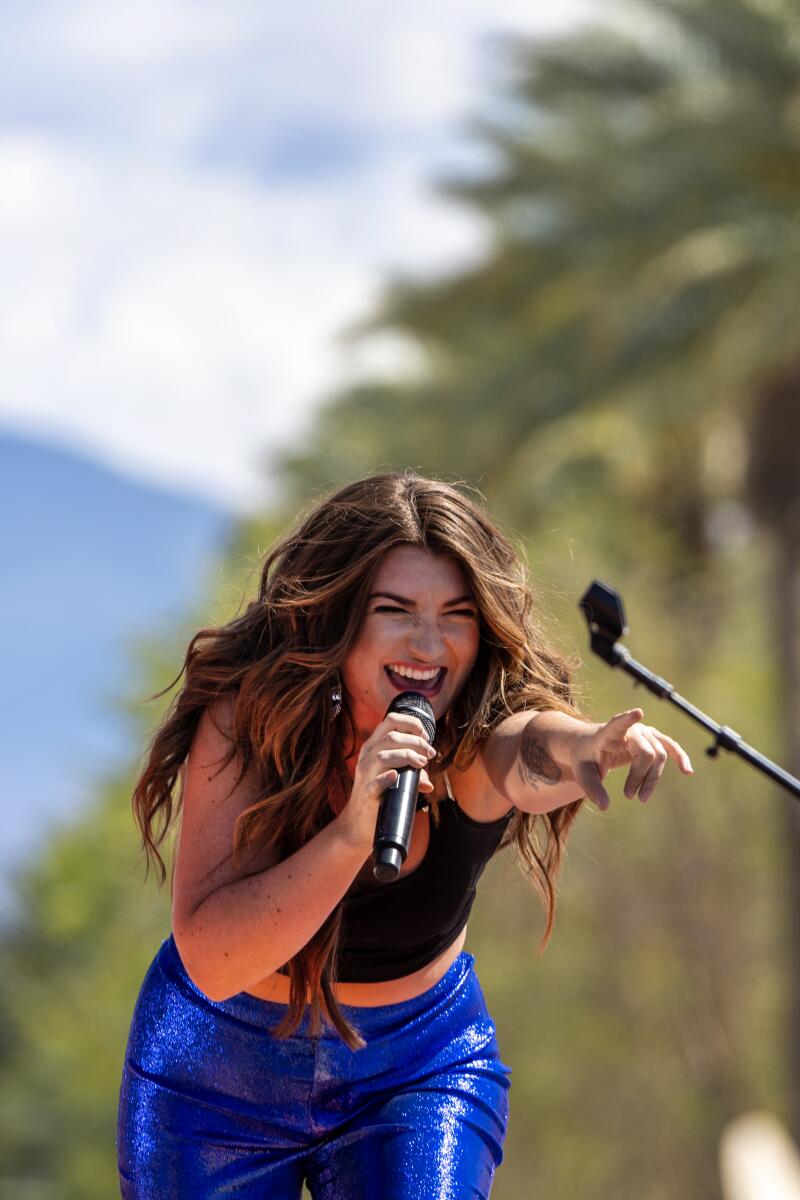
413, 604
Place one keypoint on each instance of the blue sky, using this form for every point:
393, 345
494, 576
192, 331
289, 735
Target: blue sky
196, 196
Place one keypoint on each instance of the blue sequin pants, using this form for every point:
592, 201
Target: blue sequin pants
212, 1105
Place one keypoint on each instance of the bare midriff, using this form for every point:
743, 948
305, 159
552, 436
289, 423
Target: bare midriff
371, 995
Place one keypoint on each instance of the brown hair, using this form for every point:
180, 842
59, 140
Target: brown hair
280, 661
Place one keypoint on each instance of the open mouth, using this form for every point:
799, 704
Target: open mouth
429, 686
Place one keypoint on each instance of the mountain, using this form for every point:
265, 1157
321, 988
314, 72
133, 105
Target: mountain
88, 560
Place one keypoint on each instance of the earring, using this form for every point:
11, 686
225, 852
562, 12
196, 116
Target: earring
336, 696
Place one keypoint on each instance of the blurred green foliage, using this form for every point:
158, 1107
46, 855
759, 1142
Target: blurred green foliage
602, 376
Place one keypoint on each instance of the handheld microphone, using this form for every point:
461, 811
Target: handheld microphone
398, 803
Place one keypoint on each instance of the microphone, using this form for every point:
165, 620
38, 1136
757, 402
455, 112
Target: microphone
398, 804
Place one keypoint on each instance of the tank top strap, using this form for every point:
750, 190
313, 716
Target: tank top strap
422, 801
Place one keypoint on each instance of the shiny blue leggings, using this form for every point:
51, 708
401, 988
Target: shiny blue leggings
212, 1105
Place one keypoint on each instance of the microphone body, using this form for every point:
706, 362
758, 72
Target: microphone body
398, 803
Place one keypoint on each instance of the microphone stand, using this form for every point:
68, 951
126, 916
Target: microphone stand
602, 607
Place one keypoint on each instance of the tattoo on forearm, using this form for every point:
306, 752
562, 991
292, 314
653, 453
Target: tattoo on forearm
535, 765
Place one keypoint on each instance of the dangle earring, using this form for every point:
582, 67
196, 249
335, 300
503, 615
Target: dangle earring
336, 696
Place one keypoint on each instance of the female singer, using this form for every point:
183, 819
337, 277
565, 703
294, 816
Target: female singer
304, 1021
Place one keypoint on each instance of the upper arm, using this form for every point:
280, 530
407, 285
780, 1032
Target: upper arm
499, 754
517, 757
210, 805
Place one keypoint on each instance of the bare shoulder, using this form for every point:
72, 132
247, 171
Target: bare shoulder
481, 788
474, 791
211, 800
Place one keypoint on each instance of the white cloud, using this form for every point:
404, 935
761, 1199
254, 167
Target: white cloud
195, 198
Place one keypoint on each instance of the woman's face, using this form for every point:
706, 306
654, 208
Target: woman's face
420, 619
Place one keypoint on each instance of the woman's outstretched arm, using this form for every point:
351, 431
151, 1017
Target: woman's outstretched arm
541, 761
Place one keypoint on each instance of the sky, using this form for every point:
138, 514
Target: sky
198, 197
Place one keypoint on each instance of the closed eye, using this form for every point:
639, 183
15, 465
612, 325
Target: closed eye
458, 612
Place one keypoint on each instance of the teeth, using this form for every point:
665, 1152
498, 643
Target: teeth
411, 673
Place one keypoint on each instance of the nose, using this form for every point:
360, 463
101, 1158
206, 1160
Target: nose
426, 640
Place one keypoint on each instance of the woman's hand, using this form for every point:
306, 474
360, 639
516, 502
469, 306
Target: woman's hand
591, 750
399, 741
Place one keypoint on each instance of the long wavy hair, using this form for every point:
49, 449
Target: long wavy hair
279, 662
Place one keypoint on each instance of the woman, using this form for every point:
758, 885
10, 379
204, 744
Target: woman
303, 1021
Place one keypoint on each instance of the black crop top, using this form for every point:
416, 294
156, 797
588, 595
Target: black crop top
392, 929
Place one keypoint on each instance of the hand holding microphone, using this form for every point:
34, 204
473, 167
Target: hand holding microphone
398, 746
399, 800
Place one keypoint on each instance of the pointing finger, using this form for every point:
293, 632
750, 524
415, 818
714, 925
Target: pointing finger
617, 725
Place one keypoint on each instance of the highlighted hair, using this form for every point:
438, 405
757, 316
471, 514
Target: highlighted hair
279, 663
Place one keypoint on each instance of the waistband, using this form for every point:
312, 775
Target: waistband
257, 1011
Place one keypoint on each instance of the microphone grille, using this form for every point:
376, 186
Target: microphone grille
415, 705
